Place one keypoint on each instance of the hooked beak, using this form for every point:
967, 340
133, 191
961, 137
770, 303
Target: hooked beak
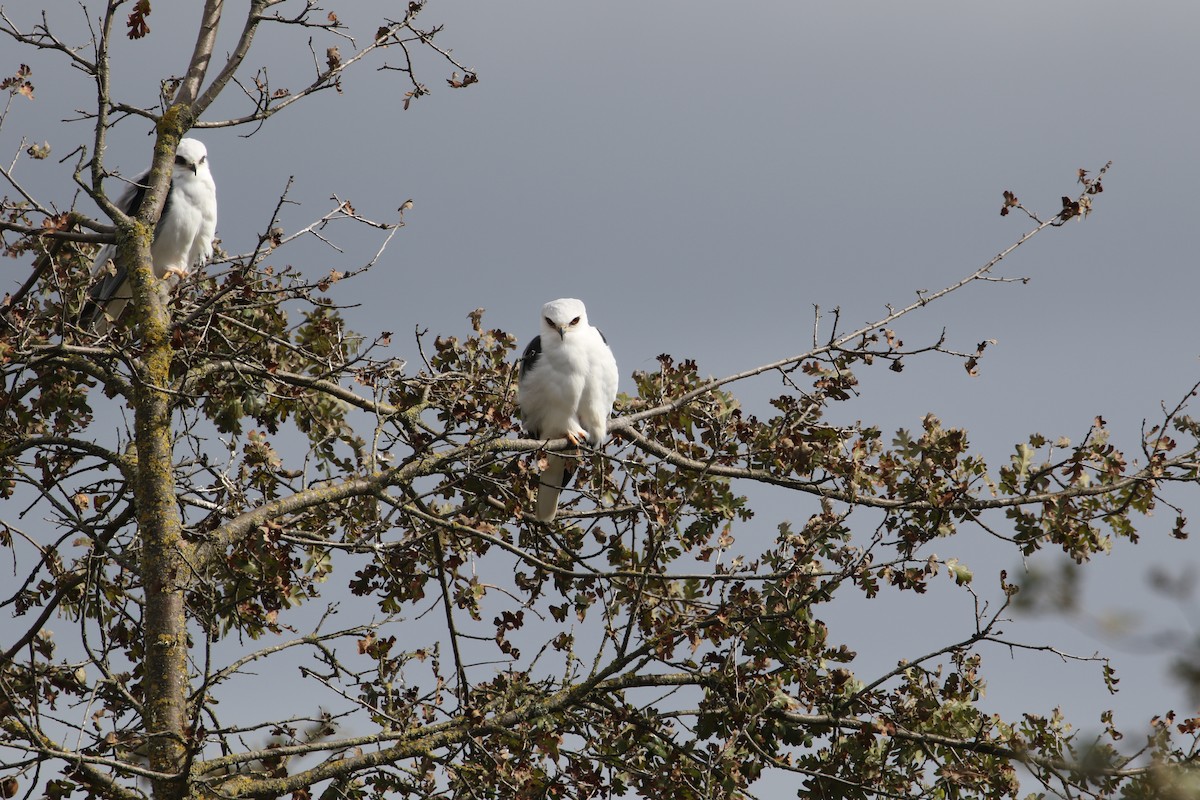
562, 331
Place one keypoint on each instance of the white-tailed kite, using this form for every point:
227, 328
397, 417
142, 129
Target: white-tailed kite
567, 382
183, 238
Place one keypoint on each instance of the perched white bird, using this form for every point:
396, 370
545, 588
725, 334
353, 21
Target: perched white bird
183, 238
567, 382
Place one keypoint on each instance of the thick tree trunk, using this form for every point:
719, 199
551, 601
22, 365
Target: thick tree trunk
165, 683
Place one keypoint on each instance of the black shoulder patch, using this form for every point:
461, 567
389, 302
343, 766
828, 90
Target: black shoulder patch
135, 199
139, 194
167, 202
530, 356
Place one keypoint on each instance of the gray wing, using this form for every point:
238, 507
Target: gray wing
559, 470
525, 365
112, 279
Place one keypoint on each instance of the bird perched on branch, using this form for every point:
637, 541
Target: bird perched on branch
567, 382
183, 237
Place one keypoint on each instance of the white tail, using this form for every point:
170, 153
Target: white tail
550, 485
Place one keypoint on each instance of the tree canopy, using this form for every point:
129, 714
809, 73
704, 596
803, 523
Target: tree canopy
235, 484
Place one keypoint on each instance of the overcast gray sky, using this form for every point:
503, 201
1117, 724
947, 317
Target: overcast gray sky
703, 173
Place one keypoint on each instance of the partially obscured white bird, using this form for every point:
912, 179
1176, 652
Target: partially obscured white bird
183, 238
567, 382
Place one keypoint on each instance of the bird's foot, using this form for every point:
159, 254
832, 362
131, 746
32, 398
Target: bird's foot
576, 437
176, 272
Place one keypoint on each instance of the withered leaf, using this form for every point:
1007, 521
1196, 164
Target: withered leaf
137, 19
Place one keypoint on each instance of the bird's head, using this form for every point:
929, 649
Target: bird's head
191, 155
563, 316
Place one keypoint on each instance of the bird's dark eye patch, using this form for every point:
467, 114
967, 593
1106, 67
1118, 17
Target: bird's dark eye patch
181, 161
575, 321
548, 322
203, 159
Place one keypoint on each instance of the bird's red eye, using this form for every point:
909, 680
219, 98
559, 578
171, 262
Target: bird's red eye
575, 321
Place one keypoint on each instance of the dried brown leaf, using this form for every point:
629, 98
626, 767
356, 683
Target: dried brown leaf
138, 27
